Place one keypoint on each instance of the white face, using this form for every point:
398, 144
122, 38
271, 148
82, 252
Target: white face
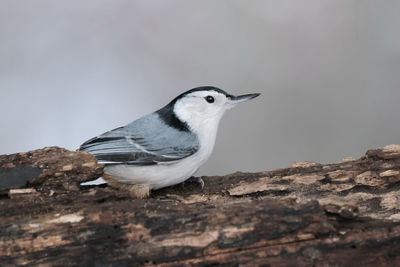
201, 106
204, 109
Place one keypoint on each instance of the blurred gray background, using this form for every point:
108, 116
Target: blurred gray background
328, 71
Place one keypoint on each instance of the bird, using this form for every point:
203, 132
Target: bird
166, 147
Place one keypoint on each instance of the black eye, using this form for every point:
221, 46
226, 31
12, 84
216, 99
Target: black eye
209, 99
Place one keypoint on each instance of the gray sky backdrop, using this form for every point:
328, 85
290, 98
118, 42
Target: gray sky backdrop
328, 71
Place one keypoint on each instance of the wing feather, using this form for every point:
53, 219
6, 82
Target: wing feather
146, 141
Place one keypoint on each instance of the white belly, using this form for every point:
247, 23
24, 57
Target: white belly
157, 176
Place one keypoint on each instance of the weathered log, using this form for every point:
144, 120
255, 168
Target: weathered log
48, 169
309, 214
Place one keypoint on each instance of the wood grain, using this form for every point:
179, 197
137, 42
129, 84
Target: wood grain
341, 214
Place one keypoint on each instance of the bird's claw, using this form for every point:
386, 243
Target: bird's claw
197, 180
200, 181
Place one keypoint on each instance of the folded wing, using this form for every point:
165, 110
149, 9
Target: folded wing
146, 141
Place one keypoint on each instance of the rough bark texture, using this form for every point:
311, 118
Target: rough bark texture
339, 214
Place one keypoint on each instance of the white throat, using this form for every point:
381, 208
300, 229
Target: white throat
205, 128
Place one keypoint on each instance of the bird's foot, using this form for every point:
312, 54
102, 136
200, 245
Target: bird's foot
198, 180
201, 182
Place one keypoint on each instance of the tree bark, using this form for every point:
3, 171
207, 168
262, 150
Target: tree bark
338, 214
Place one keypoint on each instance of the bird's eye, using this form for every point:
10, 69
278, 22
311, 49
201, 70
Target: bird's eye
209, 99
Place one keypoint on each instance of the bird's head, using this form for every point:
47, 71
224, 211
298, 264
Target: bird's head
205, 105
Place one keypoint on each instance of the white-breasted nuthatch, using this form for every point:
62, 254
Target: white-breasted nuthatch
165, 147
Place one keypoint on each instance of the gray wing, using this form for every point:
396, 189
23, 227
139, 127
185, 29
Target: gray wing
146, 141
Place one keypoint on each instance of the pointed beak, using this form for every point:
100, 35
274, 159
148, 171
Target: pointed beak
234, 100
